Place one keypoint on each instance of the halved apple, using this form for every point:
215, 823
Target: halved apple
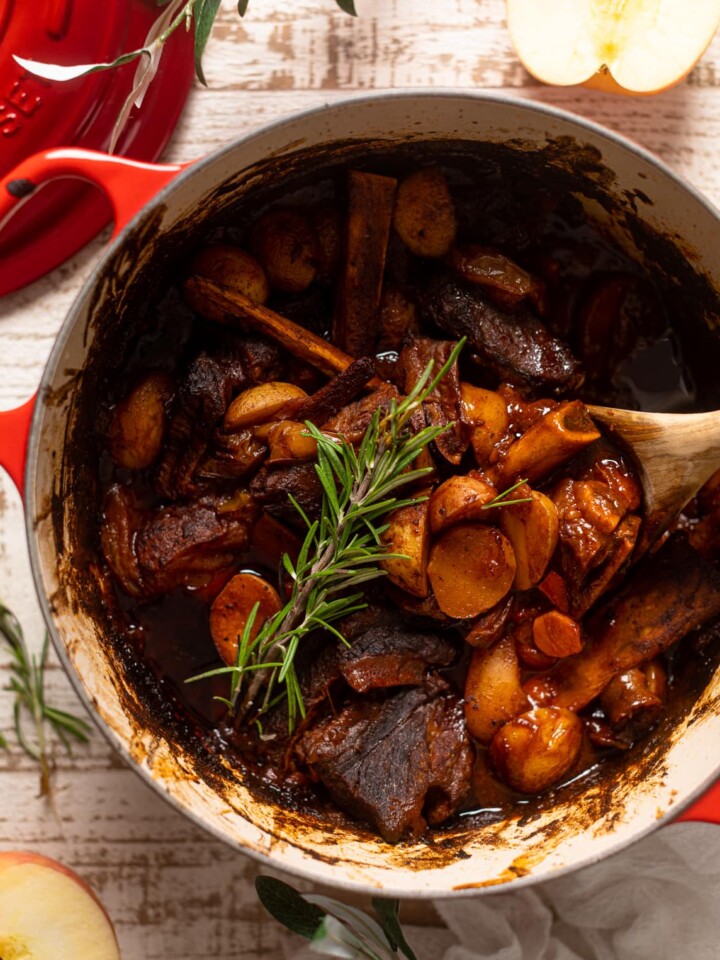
623, 46
48, 913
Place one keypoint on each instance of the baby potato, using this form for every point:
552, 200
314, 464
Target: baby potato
232, 607
458, 499
137, 429
231, 267
284, 241
535, 750
471, 569
532, 529
261, 403
289, 440
424, 215
408, 534
493, 694
487, 412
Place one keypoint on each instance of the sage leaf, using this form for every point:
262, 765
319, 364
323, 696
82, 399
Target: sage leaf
388, 913
242, 7
205, 14
288, 907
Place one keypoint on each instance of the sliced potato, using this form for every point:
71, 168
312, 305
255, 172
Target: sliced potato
424, 215
535, 750
487, 412
408, 534
232, 607
556, 634
138, 427
230, 267
262, 403
459, 499
532, 528
493, 694
471, 568
285, 243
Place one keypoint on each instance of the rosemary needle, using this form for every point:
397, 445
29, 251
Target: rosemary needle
27, 683
341, 551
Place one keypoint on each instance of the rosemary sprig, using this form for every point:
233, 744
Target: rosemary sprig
341, 550
27, 682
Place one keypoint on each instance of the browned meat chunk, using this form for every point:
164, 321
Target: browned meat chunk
392, 657
184, 545
444, 405
272, 488
212, 378
399, 764
121, 522
517, 347
331, 398
352, 421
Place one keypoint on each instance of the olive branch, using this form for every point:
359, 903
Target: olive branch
197, 15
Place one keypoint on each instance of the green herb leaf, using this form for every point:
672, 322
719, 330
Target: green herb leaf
27, 683
288, 907
205, 14
242, 7
347, 6
388, 912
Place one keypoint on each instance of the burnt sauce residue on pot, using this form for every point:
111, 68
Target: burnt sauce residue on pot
618, 320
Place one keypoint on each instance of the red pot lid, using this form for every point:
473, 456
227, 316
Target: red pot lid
36, 115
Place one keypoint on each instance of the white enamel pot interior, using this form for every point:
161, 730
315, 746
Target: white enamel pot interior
622, 187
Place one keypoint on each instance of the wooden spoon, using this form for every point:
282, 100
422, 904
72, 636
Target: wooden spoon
675, 455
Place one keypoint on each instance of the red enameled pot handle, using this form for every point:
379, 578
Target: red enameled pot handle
129, 185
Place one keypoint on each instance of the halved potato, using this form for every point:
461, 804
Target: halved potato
138, 427
262, 403
459, 499
289, 440
231, 267
408, 534
532, 529
493, 694
471, 568
424, 215
285, 242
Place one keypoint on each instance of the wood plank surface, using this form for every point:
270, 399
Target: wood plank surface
172, 891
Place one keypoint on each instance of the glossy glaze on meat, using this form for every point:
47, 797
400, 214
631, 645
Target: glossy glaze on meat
517, 647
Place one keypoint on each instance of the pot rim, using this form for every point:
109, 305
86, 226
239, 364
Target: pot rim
33, 445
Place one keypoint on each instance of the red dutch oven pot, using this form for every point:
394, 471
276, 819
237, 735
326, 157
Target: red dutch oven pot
158, 211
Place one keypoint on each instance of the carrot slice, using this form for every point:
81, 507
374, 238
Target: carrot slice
231, 609
471, 568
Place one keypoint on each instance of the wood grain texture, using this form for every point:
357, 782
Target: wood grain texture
172, 891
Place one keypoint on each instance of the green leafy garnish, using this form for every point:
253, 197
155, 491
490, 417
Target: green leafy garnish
341, 552
27, 682
333, 928
501, 500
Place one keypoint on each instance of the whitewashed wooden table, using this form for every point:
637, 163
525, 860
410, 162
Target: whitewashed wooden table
172, 891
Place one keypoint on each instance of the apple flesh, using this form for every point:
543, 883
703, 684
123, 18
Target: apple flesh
48, 913
627, 46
